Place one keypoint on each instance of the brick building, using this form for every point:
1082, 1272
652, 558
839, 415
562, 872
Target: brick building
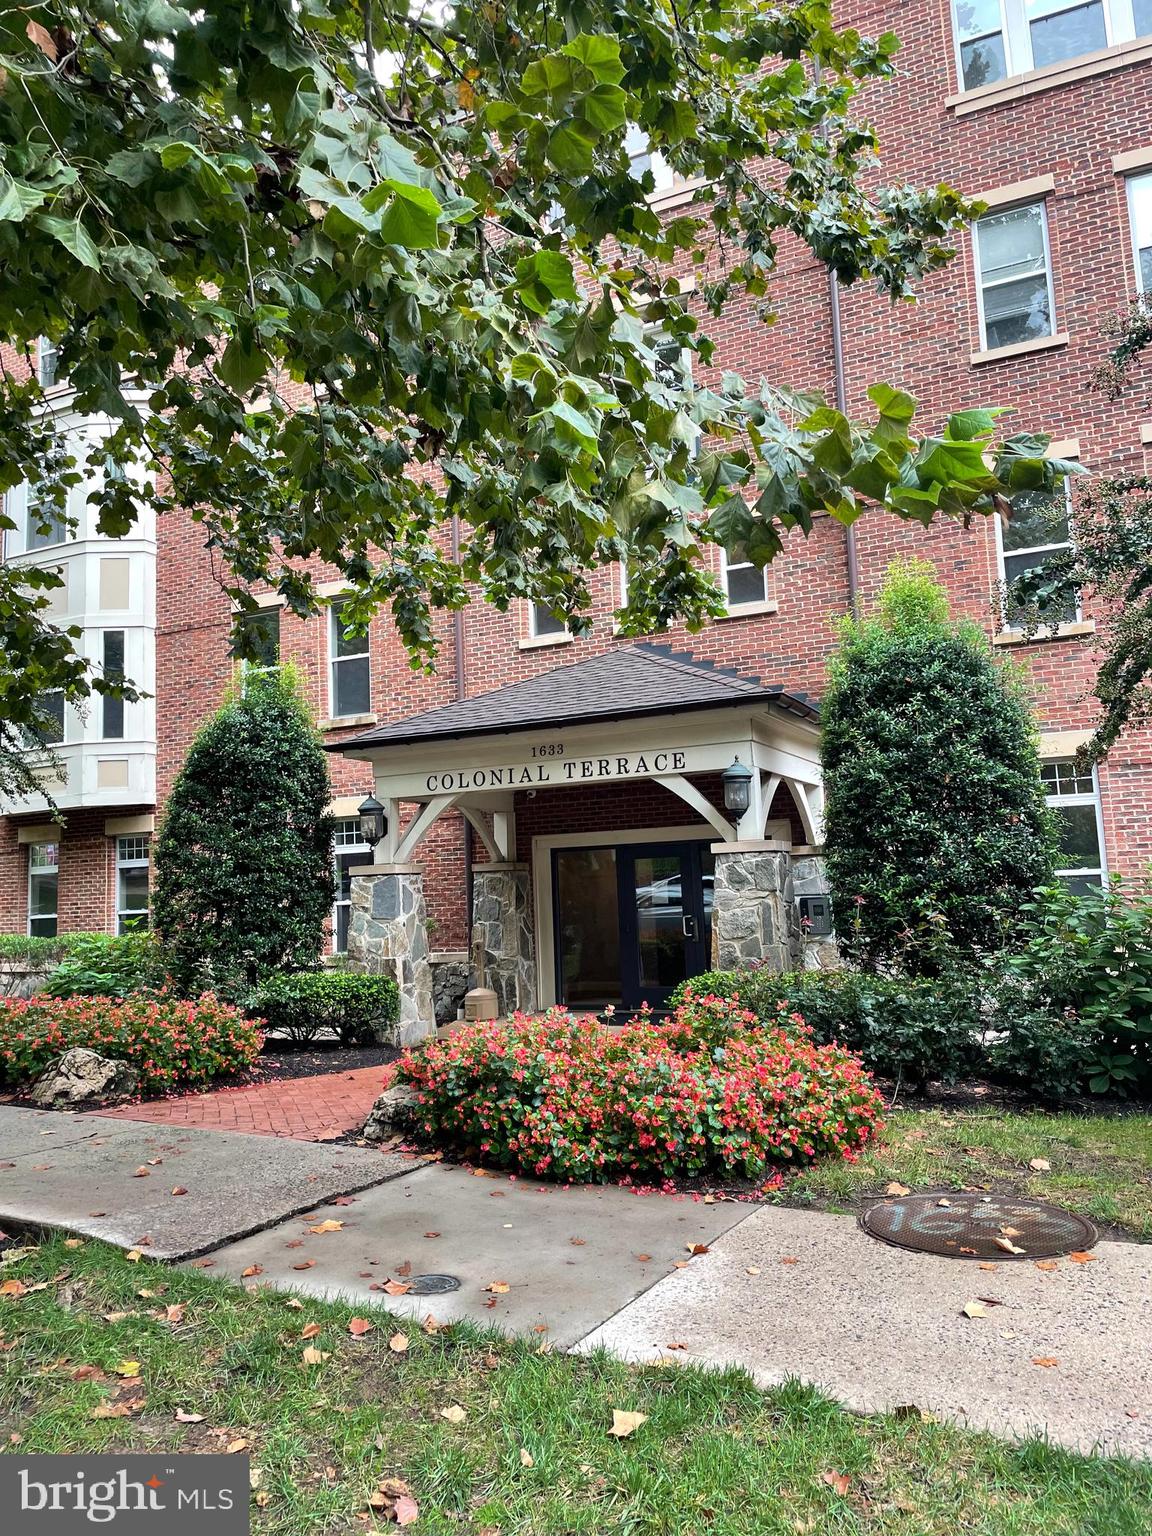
1044, 112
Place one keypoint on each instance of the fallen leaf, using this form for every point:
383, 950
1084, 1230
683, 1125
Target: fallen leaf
839, 1482
405, 1269
141, 1173
87, 1373
111, 1411
310, 1355
1040, 1165
175, 1312
262, 1498
405, 1511
643, 1258
896, 1189
974, 1309
526, 1459
944, 1202
624, 1422
253, 1269
133, 1255
13, 1288
188, 1418
430, 1325
398, 1343
498, 1288
676, 1346
453, 1413
788, 1259
1009, 1231
989, 1267
431, 1234
304, 1264
1008, 1245
179, 1190
1045, 1360
235, 1446
42, 38
359, 1326
393, 1288
127, 1368
309, 1330
295, 1303
16, 1438
698, 1248
990, 1301
328, 1225
753, 1269
73, 1242
1083, 1258
1047, 1264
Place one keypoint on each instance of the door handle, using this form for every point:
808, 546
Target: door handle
688, 926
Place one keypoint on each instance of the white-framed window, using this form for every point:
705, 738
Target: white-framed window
1038, 529
132, 877
348, 850
350, 667
744, 584
999, 38
50, 732
45, 523
43, 888
112, 707
47, 363
1074, 794
1140, 215
263, 627
1013, 276
642, 157
543, 624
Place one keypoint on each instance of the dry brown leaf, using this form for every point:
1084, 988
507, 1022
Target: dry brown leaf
788, 1259
1045, 1360
1047, 1265
133, 1255
643, 1258
1040, 1165
13, 1288
697, 1248
430, 1325
393, 1288
988, 1267
111, 1411
175, 1312
263, 1498
42, 38
498, 1288
188, 1418
839, 1482
398, 1343
676, 1345
328, 1225
453, 1413
431, 1234
304, 1264
753, 1269
73, 1242
526, 1458
253, 1269
625, 1423
896, 1189
1083, 1258
141, 1173
974, 1309
234, 1447
310, 1355
359, 1326
405, 1269
1008, 1245
405, 1511
179, 1190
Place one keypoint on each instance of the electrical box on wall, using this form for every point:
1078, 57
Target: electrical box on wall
816, 916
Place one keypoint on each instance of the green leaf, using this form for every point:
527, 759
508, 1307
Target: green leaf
570, 148
572, 426
599, 54
74, 237
605, 108
974, 423
412, 218
242, 366
17, 199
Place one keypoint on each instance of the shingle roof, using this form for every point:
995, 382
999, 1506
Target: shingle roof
635, 680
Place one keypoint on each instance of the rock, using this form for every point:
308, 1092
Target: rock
392, 1113
449, 984
83, 1077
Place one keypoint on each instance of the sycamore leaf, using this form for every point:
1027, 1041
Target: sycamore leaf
625, 1422
359, 1326
526, 1458
974, 1309
839, 1482
73, 237
188, 1418
398, 1343
310, 1355
453, 1413
1040, 1165
896, 1189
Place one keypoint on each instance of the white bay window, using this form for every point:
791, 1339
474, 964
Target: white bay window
996, 39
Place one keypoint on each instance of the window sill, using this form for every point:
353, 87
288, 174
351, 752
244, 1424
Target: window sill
1146, 434
747, 611
674, 197
1017, 87
1074, 631
342, 722
536, 642
1020, 349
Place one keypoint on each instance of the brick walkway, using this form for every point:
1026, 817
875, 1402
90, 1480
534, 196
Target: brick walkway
302, 1108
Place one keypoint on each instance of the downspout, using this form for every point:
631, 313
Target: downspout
461, 692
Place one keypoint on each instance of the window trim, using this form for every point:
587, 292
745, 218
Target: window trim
33, 872
1046, 631
357, 846
1131, 180
137, 862
530, 639
978, 275
335, 660
1019, 55
765, 604
1093, 798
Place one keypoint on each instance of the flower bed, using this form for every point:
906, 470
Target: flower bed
710, 1091
171, 1043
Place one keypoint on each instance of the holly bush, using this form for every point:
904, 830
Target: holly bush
709, 1091
172, 1043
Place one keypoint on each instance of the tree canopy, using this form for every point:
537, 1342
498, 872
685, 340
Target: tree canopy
936, 829
338, 270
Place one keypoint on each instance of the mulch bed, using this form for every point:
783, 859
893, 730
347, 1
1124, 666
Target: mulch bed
282, 1059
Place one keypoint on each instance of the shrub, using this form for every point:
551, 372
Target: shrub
910, 1029
171, 1043
107, 965
244, 857
357, 1008
33, 949
936, 829
566, 1097
1088, 954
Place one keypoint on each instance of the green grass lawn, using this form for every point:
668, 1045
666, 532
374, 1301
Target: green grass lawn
531, 1453
1101, 1165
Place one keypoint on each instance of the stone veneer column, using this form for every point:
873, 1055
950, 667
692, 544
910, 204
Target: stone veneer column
388, 936
502, 934
754, 918
819, 952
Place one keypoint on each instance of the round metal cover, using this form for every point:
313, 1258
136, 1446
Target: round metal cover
432, 1285
979, 1227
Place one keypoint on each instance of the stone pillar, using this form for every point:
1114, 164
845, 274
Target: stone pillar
502, 934
819, 951
388, 936
754, 918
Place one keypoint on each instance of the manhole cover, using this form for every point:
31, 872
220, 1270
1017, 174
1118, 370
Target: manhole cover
432, 1285
979, 1227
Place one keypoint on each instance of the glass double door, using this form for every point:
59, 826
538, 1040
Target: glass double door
632, 921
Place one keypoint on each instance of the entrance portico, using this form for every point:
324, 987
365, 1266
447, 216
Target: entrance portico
609, 868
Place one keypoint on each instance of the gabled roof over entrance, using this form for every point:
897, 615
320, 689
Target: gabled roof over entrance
635, 680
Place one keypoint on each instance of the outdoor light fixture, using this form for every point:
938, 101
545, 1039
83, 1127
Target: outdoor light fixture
373, 822
737, 782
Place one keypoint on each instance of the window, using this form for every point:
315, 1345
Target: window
642, 157
131, 883
50, 729
348, 850
43, 884
542, 622
1074, 794
112, 708
1037, 529
1140, 212
744, 583
44, 522
47, 363
351, 670
1013, 276
999, 38
263, 630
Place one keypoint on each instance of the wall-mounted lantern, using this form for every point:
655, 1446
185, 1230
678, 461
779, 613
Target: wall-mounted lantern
373, 821
737, 782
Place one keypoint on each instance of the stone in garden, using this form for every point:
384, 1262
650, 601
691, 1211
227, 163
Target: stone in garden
81, 1076
393, 1112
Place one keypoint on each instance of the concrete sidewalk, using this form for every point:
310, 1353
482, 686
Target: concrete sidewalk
114, 1179
797, 1293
